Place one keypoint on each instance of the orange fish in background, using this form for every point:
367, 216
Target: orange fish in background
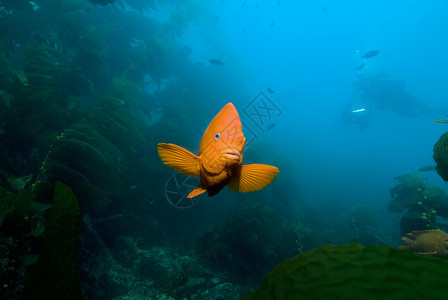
219, 162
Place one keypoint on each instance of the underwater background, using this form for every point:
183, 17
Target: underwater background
341, 96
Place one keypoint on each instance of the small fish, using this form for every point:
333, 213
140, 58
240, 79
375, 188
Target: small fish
271, 126
359, 67
244, 4
272, 24
219, 162
216, 62
270, 90
427, 168
371, 54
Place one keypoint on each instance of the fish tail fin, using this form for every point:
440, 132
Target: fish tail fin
196, 192
253, 178
179, 159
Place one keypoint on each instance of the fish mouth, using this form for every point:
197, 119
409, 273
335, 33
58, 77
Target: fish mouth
232, 154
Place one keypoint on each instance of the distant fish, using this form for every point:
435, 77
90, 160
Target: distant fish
359, 67
427, 168
216, 62
272, 24
270, 90
325, 9
271, 126
244, 4
371, 54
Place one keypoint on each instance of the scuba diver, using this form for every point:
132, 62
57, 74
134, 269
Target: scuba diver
380, 92
358, 114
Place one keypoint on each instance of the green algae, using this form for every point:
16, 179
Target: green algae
356, 272
56, 273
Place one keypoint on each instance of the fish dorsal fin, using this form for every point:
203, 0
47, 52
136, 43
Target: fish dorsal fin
196, 192
179, 159
253, 178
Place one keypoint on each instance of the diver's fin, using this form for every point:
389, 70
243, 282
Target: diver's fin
253, 178
179, 159
196, 192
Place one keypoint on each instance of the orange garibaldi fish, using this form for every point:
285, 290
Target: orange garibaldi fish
219, 162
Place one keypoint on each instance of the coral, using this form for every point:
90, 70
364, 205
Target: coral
355, 272
441, 156
56, 274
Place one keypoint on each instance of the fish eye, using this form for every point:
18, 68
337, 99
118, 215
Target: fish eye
217, 136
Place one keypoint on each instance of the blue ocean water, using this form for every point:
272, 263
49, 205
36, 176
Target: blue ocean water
341, 96
307, 52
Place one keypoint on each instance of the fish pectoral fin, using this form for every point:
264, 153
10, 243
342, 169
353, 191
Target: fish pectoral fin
196, 192
253, 178
179, 159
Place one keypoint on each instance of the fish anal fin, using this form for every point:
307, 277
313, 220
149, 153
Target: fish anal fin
253, 177
196, 192
179, 159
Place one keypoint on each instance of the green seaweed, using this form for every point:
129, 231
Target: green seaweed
56, 274
89, 162
421, 202
441, 156
356, 272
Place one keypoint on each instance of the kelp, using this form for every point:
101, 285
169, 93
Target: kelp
422, 202
441, 156
56, 273
18, 205
18, 210
92, 41
116, 116
83, 158
73, 5
152, 57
